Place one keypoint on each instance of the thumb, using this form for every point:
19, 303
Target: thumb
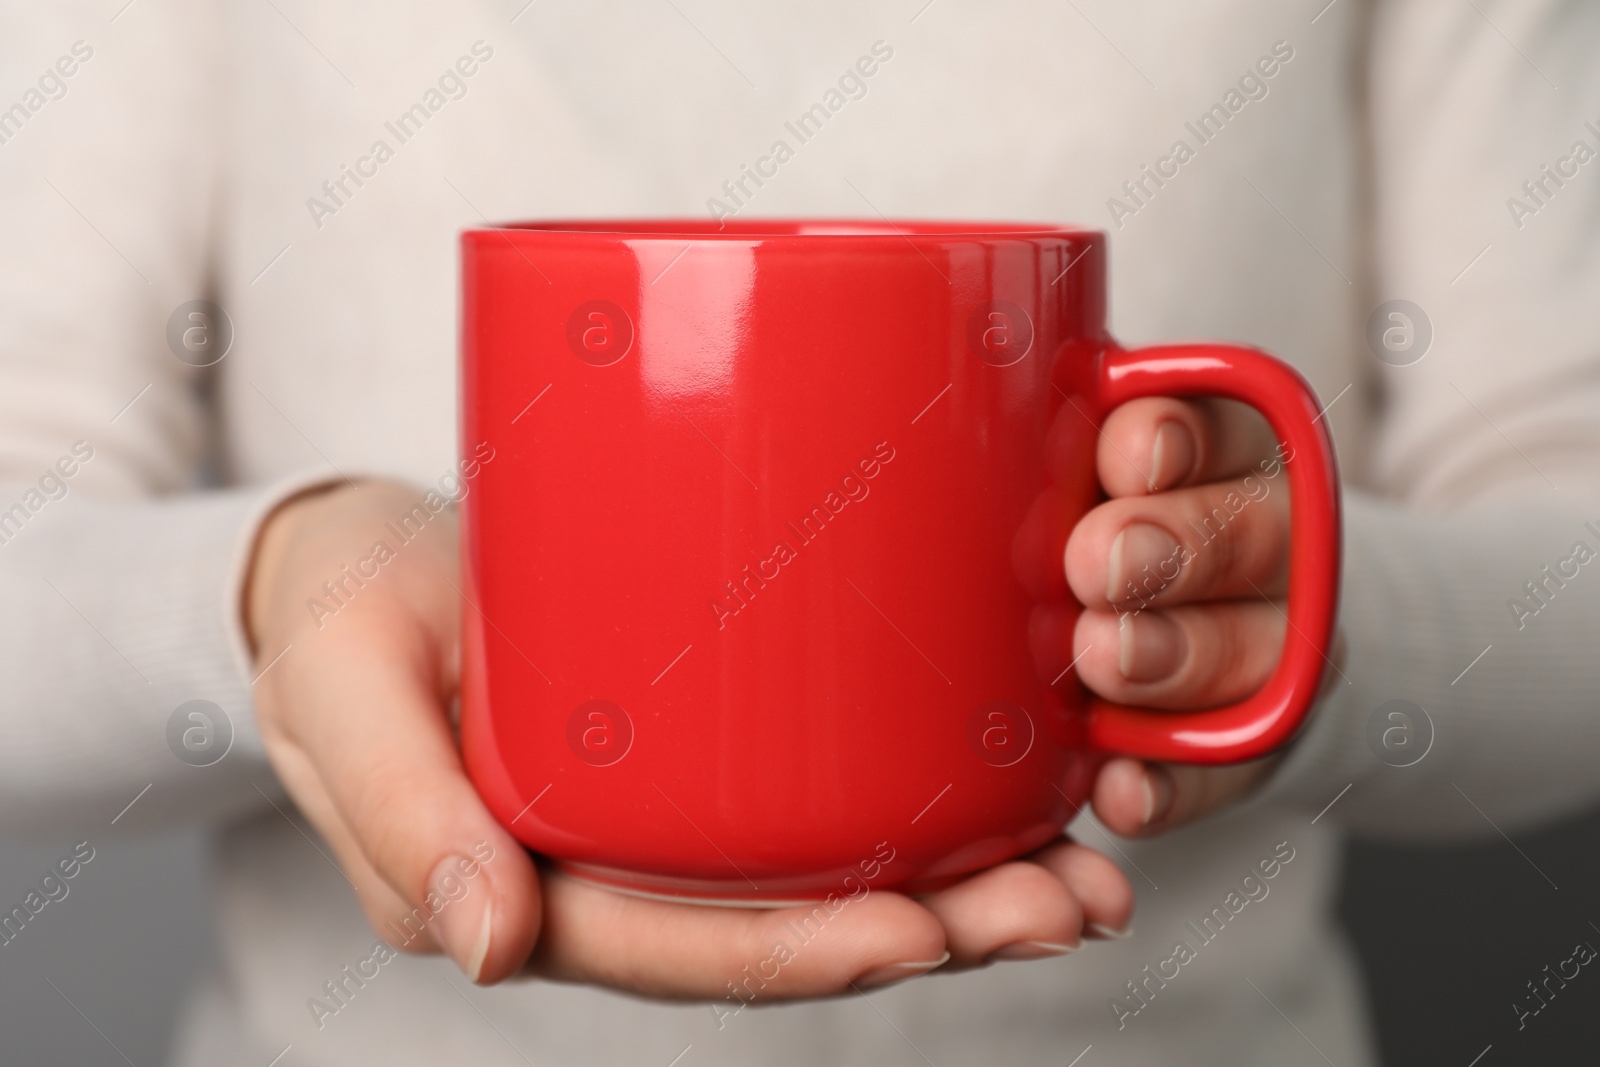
378, 738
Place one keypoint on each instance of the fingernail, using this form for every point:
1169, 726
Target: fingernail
899, 972
464, 925
1108, 933
1171, 456
1151, 647
1033, 950
1157, 795
1144, 561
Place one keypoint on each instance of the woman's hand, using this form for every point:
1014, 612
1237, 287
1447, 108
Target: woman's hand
355, 721
1183, 573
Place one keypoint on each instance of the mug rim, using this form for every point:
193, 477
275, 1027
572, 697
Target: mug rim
787, 229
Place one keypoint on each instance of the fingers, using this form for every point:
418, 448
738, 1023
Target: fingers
1137, 799
1097, 884
1214, 541
684, 950
1013, 911
1161, 443
1029, 909
1032, 909
1180, 659
1176, 570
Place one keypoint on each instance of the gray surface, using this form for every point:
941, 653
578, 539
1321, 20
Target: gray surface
120, 946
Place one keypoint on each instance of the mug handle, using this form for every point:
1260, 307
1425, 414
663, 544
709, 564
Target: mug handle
1258, 725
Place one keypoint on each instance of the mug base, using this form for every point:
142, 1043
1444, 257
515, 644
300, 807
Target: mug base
730, 894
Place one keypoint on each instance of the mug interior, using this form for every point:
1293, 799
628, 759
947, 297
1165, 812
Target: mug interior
809, 227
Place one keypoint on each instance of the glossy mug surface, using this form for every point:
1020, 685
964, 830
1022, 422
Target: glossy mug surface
764, 587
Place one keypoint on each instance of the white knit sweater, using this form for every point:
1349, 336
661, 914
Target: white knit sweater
179, 149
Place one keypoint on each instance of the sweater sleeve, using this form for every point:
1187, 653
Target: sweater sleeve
119, 615
119, 575
1472, 566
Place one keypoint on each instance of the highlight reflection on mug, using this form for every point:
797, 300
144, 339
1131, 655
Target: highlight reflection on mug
599, 732
599, 333
1000, 733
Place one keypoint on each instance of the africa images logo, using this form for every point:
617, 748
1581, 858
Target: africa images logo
742, 589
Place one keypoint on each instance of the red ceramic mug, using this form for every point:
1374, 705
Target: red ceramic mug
765, 590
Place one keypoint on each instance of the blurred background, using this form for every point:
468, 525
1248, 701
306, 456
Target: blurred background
1448, 938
